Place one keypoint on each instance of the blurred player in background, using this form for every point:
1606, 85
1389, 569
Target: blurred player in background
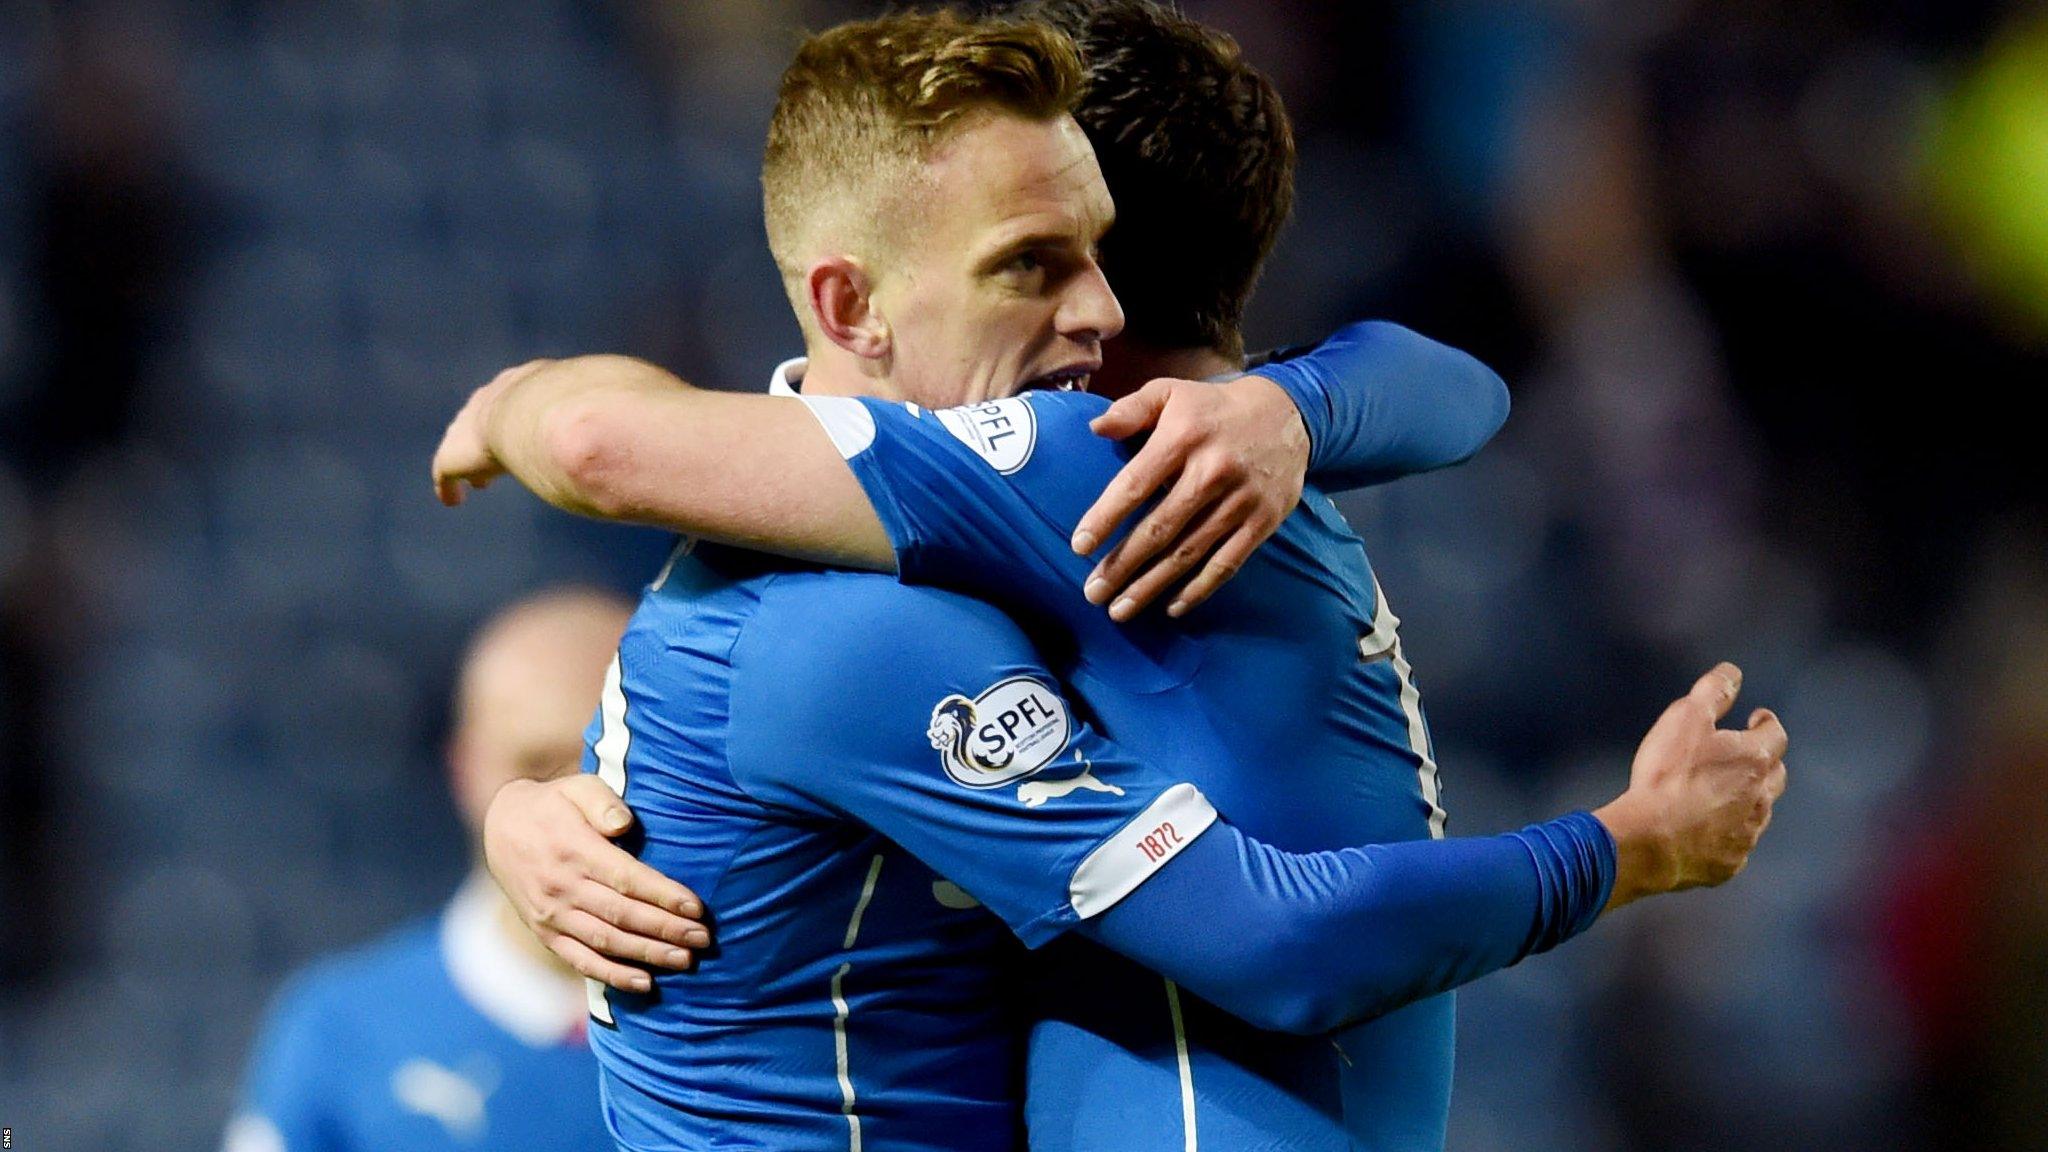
460, 1033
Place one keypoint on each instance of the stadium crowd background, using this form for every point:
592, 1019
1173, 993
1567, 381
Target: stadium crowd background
1767, 281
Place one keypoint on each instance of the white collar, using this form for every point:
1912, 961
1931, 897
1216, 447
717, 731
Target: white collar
509, 985
788, 375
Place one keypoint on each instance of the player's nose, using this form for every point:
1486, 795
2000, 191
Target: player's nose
1090, 311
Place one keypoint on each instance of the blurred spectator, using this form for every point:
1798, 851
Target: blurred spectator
1963, 910
109, 222
465, 1032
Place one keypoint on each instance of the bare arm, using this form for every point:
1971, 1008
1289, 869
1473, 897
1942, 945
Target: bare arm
617, 438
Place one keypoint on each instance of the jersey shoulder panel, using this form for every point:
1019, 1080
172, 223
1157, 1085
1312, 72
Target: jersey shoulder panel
363, 976
1033, 450
323, 1021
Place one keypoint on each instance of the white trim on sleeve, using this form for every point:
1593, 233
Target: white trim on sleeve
1140, 848
846, 420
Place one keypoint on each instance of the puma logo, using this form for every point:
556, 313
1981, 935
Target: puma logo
442, 1093
1035, 793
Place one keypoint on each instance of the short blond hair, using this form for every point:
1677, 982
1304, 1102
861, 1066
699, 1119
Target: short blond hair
864, 104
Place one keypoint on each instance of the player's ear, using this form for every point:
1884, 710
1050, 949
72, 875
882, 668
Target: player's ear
842, 301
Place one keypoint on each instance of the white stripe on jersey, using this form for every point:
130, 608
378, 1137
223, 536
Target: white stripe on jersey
684, 546
867, 893
613, 738
1385, 640
840, 1009
1187, 1071
839, 1049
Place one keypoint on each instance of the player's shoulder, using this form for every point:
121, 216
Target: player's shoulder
835, 624
697, 600
337, 996
862, 610
368, 974
1008, 434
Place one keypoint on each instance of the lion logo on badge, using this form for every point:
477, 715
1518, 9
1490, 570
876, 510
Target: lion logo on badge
1007, 732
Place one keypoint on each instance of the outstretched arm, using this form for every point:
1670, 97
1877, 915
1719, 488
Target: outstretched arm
966, 741
620, 439
617, 438
1341, 936
1320, 940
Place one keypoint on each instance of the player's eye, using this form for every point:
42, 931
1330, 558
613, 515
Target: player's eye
1025, 263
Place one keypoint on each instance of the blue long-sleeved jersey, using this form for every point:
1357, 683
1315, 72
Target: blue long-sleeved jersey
1382, 402
1301, 653
442, 1037
856, 773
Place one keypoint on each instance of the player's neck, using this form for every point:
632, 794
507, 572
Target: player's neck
833, 371
1131, 362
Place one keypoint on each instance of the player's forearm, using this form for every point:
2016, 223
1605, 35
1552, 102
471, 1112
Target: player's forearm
617, 438
1381, 402
567, 431
1313, 941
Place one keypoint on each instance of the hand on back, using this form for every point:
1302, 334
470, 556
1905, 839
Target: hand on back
589, 901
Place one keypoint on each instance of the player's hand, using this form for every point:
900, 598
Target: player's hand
1235, 455
1699, 796
589, 901
465, 456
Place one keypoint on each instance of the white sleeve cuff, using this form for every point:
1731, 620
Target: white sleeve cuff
1140, 848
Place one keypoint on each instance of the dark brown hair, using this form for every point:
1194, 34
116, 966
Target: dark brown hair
1198, 153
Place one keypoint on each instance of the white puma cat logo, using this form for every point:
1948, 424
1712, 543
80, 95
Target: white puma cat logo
438, 1091
1036, 792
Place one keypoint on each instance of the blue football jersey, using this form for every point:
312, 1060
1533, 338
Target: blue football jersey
879, 789
1298, 660
444, 1037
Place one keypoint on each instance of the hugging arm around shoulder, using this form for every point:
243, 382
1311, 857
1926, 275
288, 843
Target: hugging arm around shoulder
930, 718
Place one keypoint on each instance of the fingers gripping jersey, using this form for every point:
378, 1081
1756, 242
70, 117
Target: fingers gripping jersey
870, 783
1298, 658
